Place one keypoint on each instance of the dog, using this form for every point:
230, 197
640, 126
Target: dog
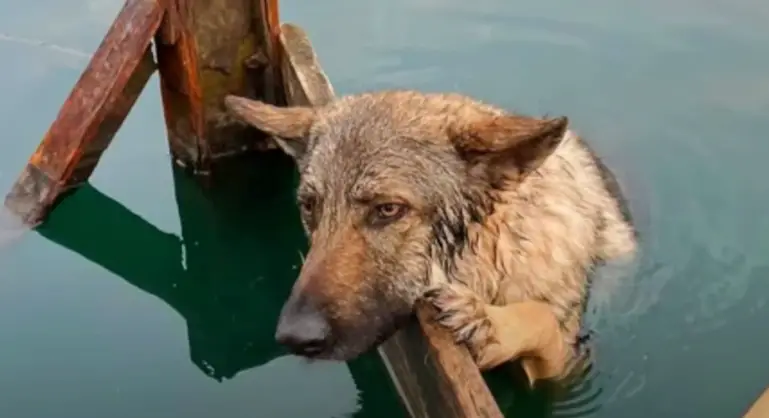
495, 218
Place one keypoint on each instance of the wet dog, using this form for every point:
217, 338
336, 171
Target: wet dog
495, 218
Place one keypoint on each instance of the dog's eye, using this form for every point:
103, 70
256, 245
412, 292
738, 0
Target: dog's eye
307, 205
388, 212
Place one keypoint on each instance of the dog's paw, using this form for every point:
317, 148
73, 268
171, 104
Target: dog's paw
463, 313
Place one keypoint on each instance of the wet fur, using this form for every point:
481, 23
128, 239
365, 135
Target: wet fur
508, 215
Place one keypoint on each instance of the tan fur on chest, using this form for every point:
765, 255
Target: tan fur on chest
494, 218
545, 234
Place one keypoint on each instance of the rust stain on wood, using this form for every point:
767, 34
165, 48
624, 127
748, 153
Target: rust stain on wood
169, 30
93, 112
269, 21
205, 52
203, 47
180, 86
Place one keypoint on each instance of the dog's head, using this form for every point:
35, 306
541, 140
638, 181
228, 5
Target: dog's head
389, 183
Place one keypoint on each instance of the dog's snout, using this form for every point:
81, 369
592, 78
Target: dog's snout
303, 329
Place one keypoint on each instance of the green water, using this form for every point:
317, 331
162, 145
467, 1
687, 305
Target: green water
143, 298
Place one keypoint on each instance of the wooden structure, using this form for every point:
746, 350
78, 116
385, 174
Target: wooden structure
205, 50
760, 408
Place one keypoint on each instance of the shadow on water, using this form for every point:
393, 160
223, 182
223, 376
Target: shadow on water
227, 275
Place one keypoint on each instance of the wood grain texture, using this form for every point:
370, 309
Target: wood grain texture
759, 409
180, 87
269, 22
305, 82
91, 115
434, 377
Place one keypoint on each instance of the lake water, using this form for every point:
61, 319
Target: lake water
142, 298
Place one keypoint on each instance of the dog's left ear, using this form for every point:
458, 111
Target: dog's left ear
290, 126
506, 147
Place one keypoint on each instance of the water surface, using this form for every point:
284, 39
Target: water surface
141, 297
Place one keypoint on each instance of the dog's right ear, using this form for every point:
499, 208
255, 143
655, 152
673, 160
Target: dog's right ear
506, 147
289, 125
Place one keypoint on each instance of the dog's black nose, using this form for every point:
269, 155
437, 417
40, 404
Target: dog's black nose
303, 330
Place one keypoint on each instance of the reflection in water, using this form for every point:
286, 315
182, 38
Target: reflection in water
229, 271
228, 274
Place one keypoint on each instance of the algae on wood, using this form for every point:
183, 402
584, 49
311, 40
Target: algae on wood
206, 50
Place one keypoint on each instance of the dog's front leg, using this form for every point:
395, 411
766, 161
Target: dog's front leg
497, 334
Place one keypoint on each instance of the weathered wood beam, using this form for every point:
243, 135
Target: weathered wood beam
207, 49
92, 114
269, 22
760, 408
180, 87
434, 377
305, 82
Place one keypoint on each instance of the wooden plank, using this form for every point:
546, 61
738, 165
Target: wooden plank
207, 49
434, 377
759, 409
180, 87
305, 82
219, 309
92, 114
269, 21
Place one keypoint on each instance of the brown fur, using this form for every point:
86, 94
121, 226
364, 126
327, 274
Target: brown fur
495, 218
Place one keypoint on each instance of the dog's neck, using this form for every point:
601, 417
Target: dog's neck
454, 242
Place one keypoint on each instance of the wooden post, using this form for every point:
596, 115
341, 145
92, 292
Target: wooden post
207, 49
434, 377
93, 112
759, 409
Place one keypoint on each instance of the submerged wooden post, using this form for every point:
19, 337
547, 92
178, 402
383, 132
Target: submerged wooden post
435, 378
207, 49
93, 112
